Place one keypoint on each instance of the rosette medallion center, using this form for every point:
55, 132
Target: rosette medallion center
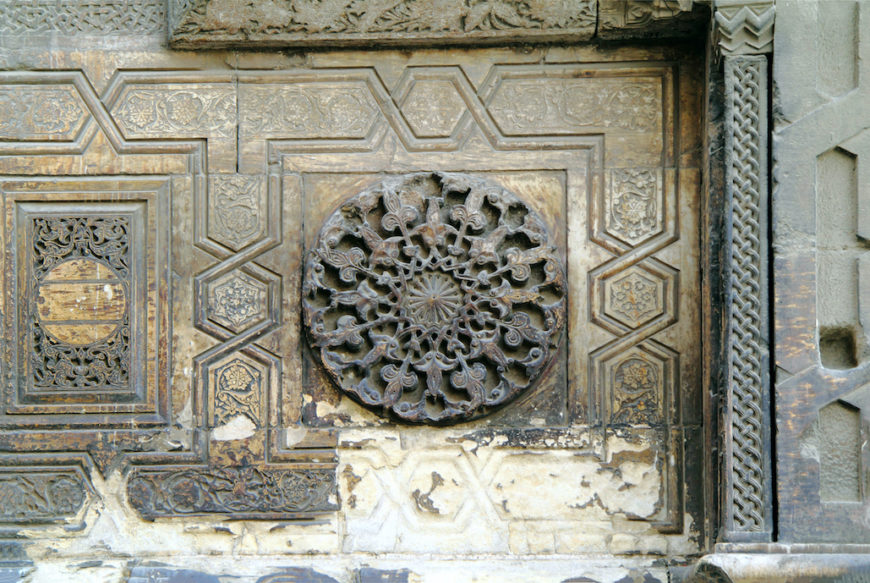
432, 298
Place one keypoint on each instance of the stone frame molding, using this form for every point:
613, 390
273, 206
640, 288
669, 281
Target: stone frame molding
744, 32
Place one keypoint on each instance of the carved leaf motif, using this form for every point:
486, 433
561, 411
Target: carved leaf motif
634, 213
152, 111
344, 110
457, 310
27, 496
566, 105
239, 492
237, 392
636, 389
476, 15
362, 19
39, 112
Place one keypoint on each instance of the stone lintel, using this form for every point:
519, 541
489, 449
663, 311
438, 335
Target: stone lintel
362, 23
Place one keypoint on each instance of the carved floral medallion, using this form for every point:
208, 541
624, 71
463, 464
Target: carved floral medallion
435, 297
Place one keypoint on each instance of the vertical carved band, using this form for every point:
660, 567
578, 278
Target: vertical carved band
747, 463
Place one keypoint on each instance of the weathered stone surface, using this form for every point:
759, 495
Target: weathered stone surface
282, 23
212, 446
350, 22
780, 564
818, 208
169, 575
622, 19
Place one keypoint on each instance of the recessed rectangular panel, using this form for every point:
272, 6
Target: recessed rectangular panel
88, 266
81, 339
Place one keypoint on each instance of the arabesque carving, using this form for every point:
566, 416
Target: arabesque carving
634, 212
237, 392
239, 491
436, 297
564, 106
237, 301
38, 112
40, 496
635, 392
79, 319
349, 21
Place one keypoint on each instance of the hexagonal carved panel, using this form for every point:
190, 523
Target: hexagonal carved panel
237, 301
634, 209
433, 108
634, 297
237, 390
636, 383
237, 210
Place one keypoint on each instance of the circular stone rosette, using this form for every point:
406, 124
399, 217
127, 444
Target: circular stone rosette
435, 297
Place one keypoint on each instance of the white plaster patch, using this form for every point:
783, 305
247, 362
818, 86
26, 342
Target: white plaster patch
294, 435
239, 427
431, 491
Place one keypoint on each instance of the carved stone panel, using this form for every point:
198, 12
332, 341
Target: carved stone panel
244, 294
458, 293
81, 342
349, 22
239, 492
39, 495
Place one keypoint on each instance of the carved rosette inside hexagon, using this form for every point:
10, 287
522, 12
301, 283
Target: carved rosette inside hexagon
434, 297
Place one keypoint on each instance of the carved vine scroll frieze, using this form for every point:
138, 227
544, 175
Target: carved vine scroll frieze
435, 297
198, 22
40, 112
240, 491
40, 496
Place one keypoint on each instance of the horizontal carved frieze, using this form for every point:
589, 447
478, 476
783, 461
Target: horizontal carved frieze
403, 22
242, 492
37, 495
308, 22
82, 17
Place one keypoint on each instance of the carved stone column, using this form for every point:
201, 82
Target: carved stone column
745, 33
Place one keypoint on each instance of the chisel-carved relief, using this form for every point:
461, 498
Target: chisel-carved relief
435, 297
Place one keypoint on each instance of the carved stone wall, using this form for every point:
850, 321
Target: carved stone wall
231, 279
820, 270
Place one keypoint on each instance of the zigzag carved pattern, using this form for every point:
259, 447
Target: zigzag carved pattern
746, 29
745, 321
